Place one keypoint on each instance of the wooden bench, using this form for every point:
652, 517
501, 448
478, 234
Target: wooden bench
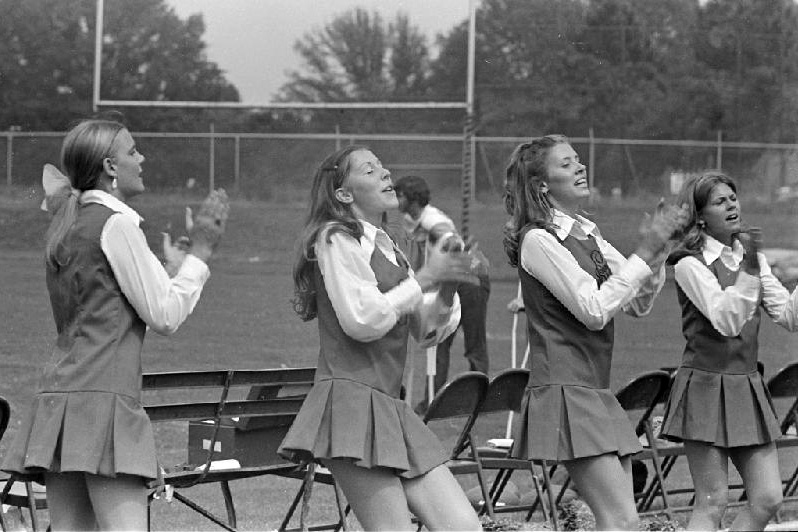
217, 404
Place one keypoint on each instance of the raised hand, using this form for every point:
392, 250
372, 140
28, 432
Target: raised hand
751, 239
209, 224
657, 232
444, 266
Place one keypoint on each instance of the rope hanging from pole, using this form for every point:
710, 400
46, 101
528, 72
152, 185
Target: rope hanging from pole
468, 172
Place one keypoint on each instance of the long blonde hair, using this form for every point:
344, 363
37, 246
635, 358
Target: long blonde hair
83, 151
524, 200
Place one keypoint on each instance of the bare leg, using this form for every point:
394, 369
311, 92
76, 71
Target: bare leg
68, 502
376, 495
119, 503
437, 499
759, 469
605, 482
709, 469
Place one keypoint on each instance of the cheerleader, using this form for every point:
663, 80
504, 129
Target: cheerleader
352, 277
87, 434
573, 283
718, 405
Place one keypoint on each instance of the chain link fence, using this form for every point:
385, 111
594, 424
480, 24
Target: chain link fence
280, 166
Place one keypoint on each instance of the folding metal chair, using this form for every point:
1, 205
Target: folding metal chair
16, 492
638, 398
784, 385
505, 394
461, 398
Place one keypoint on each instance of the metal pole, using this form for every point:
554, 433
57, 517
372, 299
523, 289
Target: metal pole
212, 160
337, 137
467, 183
9, 157
719, 153
98, 50
591, 162
237, 165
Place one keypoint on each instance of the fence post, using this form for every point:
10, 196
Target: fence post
9, 157
237, 165
591, 162
719, 151
212, 159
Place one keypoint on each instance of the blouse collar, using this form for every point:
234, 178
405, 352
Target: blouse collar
115, 204
730, 256
564, 224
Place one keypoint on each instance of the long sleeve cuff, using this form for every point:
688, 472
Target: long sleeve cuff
405, 296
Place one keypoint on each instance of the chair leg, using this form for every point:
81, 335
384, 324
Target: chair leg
228, 504
487, 503
658, 468
310, 474
34, 521
292, 508
339, 498
552, 503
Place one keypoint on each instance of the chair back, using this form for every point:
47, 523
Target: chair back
5, 415
784, 385
459, 398
643, 393
506, 391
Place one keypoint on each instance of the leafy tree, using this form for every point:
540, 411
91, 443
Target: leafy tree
356, 57
149, 53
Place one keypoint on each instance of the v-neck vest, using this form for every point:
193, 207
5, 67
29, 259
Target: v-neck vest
379, 363
563, 350
706, 348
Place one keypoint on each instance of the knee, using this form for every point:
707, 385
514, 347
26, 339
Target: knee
766, 503
713, 502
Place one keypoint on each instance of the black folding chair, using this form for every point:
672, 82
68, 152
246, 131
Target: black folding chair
460, 399
17, 492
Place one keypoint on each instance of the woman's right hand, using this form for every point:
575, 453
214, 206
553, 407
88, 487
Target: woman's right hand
657, 232
751, 239
209, 224
445, 266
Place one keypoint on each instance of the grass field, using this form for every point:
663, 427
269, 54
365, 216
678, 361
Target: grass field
245, 318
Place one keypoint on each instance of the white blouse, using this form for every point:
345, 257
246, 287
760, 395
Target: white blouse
632, 287
729, 309
365, 313
163, 303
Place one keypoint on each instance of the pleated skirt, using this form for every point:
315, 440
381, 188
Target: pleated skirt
345, 419
562, 422
101, 433
726, 410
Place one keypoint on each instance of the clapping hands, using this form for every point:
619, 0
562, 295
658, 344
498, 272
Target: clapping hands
205, 230
658, 231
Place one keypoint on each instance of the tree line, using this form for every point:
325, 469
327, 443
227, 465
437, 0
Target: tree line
658, 69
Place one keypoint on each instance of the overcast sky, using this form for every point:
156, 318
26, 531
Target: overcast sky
252, 40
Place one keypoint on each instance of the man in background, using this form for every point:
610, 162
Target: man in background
424, 224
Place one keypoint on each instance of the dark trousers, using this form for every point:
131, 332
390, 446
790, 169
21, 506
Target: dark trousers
473, 316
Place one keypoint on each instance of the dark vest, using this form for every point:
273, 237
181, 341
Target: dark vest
563, 350
100, 335
706, 348
378, 364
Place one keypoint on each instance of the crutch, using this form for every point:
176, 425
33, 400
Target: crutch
514, 357
431, 372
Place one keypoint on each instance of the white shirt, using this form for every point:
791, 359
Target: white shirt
729, 309
632, 287
162, 303
428, 218
365, 313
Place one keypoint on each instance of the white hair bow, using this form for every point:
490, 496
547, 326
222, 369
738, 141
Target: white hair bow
57, 188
